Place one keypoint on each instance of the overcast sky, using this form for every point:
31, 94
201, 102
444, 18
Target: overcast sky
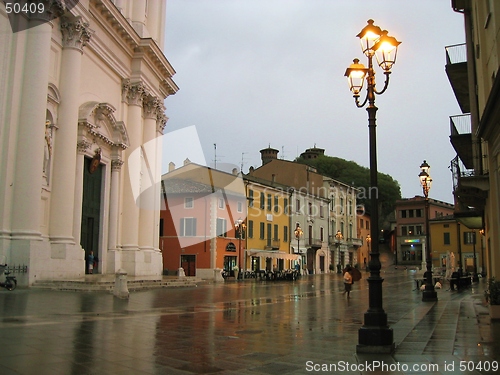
254, 73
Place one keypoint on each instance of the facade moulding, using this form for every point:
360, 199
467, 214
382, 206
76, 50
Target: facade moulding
75, 32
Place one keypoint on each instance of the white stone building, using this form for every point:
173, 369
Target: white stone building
78, 95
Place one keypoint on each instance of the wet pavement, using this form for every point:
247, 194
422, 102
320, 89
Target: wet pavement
249, 327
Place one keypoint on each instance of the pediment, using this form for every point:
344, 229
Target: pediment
99, 121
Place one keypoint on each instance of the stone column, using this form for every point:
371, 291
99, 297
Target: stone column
31, 134
154, 18
133, 94
113, 259
75, 33
149, 173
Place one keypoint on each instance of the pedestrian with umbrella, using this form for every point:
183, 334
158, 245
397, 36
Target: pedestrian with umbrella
350, 275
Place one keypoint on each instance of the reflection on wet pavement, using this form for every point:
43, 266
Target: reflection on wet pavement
250, 327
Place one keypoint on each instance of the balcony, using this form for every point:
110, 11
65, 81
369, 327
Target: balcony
273, 244
461, 138
315, 243
470, 188
456, 70
354, 242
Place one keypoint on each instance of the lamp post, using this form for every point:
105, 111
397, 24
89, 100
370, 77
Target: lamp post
239, 226
475, 276
375, 336
429, 294
338, 237
298, 233
483, 272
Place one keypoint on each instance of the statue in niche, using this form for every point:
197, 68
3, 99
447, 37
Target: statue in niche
47, 151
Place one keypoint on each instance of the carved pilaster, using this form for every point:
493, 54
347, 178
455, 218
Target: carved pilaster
116, 164
75, 33
133, 93
83, 146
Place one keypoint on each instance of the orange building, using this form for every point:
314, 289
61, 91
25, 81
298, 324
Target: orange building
197, 223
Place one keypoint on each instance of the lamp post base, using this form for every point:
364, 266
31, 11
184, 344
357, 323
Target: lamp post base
429, 296
375, 340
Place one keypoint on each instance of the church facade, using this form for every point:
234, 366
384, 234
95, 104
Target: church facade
80, 96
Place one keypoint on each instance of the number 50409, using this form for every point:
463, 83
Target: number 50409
24, 7
478, 366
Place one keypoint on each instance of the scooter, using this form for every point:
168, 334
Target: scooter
10, 282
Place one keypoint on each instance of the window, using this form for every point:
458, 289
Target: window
341, 205
469, 238
250, 228
276, 202
411, 230
240, 207
418, 230
269, 202
410, 213
332, 203
285, 233
322, 234
446, 238
350, 208
269, 234
250, 198
276, 234
418, 213
297, 205
403, 214
285, 203
188, 202
262, 201
350, 231
221, 203
310, 205
321, 211
367, 225
188, 227
404, 231
261, 234
221, 229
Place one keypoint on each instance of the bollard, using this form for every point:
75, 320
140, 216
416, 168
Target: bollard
121, 289
218, 275
181, 272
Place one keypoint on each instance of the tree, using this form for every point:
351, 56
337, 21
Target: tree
351, 173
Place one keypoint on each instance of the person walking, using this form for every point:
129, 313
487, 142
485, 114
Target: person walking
347, 281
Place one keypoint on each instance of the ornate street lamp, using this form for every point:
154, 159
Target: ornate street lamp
375, 336
429, 294
239, 227
338, 238
368, 243
298, 233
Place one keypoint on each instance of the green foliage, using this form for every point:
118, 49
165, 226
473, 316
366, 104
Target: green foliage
351, 173
492, 294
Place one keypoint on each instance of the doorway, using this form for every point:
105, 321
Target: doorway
91, 213
188, 263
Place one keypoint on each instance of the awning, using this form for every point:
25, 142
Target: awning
272, 254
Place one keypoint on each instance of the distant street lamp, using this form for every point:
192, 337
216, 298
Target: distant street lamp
429, 294
338, 237
368, 244
240, 227
375, 336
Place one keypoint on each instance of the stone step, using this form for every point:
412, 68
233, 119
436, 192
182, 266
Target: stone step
108, 285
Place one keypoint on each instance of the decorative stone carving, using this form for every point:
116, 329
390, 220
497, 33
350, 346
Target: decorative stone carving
151, 105
82, 146
75, 33
161, 122
133, 93
116, 164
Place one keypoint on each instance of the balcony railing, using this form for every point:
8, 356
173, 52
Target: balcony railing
456, 70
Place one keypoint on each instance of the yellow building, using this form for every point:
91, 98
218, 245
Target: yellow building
454, 245
268, 226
